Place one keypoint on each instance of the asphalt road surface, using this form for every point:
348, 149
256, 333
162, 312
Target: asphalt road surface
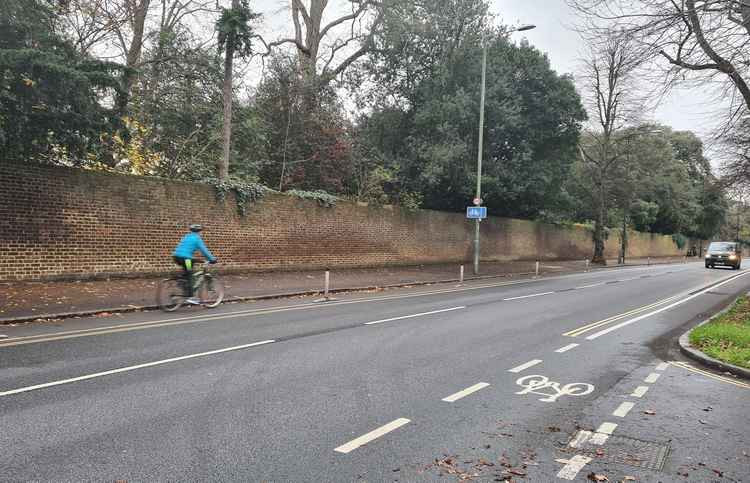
555, 379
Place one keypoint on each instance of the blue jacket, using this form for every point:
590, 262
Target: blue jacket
189, 244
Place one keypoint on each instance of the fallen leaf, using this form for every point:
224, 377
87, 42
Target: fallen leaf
628, 478
718, 472
517, 472
600, 452
596, 477
553, 429
702, 421
649, 412
707, 409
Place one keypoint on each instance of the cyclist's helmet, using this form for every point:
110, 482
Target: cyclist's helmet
196, 227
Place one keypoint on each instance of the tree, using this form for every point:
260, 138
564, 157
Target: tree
51, 97
704, 41
322, 54
425, 126
235, 39
610, 83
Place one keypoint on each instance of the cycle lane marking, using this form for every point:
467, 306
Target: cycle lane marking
132, 368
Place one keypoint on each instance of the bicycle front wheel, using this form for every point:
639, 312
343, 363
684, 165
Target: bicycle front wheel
211, 291
169, 294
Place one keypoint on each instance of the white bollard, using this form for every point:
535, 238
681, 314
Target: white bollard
461, 275
328, 284
536, 269
649, 261
587, 264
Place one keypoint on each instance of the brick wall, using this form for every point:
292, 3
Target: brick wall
69, 223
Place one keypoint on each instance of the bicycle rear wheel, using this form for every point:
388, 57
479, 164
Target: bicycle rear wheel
170, 295
211, 291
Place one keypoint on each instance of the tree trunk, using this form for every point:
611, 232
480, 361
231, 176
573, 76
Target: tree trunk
222, 166
598, 257
133, 55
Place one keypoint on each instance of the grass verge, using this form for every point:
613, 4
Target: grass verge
727, 337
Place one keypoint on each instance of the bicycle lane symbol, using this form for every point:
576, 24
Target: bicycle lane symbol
541, 385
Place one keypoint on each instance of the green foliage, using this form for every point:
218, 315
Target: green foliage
52, 99
234, 29
429, 60
244, 191
411, 200
321, 197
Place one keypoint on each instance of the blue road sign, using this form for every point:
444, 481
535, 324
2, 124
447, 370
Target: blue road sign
476, 212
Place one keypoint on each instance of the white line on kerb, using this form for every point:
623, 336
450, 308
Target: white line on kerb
658, 311
455, 397
132, 368
566, 348
366, 438
652, 377
623, 409
640, 391
663, 366
414, 315
528, 296
574, 465
522, 367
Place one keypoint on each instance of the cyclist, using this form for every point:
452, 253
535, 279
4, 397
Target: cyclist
183, 256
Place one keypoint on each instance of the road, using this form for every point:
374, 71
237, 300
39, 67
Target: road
437, 383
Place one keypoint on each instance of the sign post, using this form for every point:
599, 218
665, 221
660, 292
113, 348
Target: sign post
476, 213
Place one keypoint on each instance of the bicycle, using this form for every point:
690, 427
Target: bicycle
171, 292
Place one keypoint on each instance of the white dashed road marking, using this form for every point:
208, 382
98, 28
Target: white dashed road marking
469, 390
372, 435
623, 409
663, 366
573, 466
528, 296
525, 366
566, 348
414, 315
581, 437
640, 391
590, 286
652, 377
132, 368
603, 433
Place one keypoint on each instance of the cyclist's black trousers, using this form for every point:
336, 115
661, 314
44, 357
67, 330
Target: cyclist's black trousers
187, 273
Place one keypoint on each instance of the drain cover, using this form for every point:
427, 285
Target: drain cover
625, 450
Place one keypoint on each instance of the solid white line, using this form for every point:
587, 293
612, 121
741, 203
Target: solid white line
364, 439
640, 391
675, 304
575, 464
623, 409
566, 348
414, 315
522, 367
589, 286
131, 368
455, 397
603, 433
663, 366
528, 296
652, 377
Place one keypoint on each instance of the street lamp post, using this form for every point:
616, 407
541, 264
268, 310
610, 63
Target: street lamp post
481, 141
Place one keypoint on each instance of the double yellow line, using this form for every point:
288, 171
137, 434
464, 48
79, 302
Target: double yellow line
601, 323
688, 367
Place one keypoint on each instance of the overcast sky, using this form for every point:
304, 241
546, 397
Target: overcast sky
684, 110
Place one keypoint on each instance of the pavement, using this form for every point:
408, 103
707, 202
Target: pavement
570, 377
57, 299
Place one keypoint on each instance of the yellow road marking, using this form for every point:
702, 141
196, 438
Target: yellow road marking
688, 367
595, 325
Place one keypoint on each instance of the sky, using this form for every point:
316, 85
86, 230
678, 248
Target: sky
682, 110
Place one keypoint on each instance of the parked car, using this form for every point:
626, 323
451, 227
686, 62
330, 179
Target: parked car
728, 254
